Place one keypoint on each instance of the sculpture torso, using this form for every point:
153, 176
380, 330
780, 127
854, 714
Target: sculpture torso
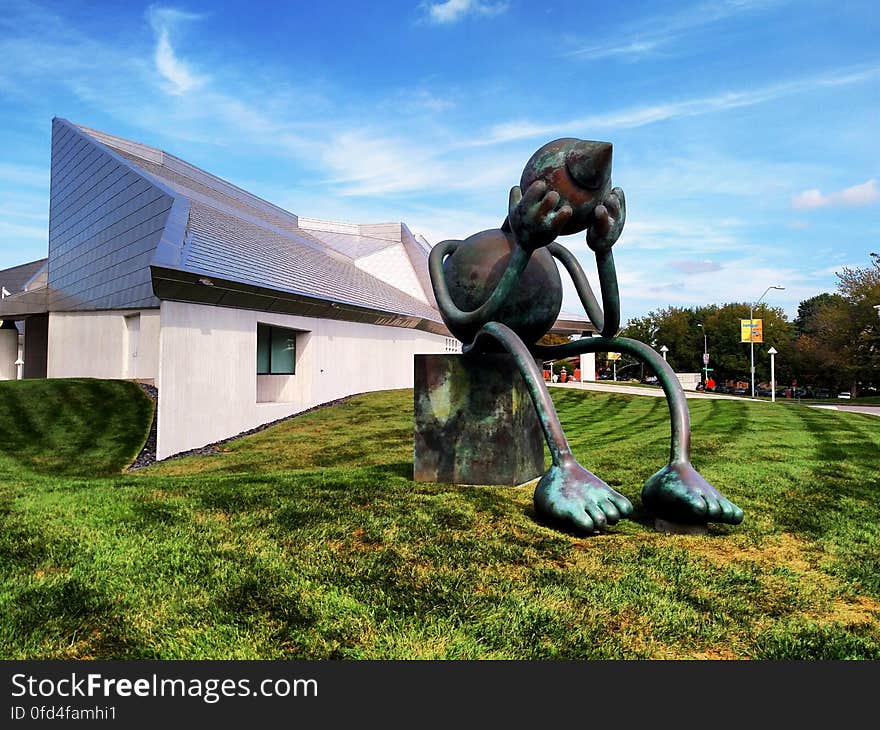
472, 274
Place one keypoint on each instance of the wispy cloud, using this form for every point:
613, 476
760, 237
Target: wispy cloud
175, 70
18, 231
660, 32
855, 196
24, 175
452, 11
374, 165
424, 100
695, 267
650, 114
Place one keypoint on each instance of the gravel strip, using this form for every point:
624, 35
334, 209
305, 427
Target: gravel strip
148, 453
147, 457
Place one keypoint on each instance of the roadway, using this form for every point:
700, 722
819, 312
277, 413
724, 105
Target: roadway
656, 392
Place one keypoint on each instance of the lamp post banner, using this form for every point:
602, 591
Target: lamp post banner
751, 330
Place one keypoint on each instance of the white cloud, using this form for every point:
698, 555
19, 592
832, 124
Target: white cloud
24, 175
662, 31
742, 279
650, 114
856, 196
176, 71
372, 165
423, 100
452, 11
686, 266
809, 199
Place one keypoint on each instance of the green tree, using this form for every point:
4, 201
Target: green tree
808, 310
838, 344
853, 326
728, 357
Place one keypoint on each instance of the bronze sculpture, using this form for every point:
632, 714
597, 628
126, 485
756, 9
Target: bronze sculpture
500, 289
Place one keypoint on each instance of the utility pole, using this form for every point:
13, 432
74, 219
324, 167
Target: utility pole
752, 308
705, 355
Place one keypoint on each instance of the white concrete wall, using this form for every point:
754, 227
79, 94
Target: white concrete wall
95, 345
588, 367
688, 381
209, 388
8, 353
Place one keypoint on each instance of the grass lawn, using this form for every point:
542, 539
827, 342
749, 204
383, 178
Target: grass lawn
308, 540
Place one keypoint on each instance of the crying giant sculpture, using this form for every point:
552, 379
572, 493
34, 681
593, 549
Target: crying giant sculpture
500, 291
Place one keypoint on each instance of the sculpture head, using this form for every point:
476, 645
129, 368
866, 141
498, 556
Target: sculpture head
579, 170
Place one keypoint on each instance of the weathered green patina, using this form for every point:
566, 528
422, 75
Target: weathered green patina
465, 407
500, 289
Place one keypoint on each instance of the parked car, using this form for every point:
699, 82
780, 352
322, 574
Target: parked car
846, 395
722, 389
822, 393
764, 391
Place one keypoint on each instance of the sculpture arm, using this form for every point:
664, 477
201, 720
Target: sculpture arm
608, 322
678, 410
533, 221
519, 259
607, 225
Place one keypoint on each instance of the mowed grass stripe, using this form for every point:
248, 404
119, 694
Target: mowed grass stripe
309, 540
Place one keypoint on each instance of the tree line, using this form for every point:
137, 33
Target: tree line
834, 342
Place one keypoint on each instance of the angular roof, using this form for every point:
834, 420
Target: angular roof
23, 289
17, 278
235, 237
131, 225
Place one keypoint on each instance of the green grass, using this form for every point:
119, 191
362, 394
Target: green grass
308, 540
77, 426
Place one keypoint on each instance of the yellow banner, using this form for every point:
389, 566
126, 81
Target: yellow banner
614, 356
753, 332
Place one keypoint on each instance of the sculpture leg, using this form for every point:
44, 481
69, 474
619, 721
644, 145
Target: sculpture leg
677, 492
567, 494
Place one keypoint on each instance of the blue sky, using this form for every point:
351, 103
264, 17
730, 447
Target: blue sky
745, 132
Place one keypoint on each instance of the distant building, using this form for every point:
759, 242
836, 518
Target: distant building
237, 310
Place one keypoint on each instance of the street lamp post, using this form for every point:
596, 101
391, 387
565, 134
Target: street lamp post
664, 350
705, 355
752, 308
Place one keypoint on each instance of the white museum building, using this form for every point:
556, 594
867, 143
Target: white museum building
239, 312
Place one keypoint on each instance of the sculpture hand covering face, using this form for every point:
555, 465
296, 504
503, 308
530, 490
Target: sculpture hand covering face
501, 289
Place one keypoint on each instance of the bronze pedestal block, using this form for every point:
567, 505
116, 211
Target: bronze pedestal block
474, 422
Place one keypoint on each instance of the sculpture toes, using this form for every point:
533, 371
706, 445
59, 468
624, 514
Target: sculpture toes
600, 519
624, 506
713, 508
730, 513
697, 506
737, 515
611, 512
577, 519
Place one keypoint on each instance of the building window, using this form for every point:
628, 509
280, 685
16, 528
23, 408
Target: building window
276, 350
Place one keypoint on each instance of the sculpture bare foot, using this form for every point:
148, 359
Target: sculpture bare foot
571, 496
679, 494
